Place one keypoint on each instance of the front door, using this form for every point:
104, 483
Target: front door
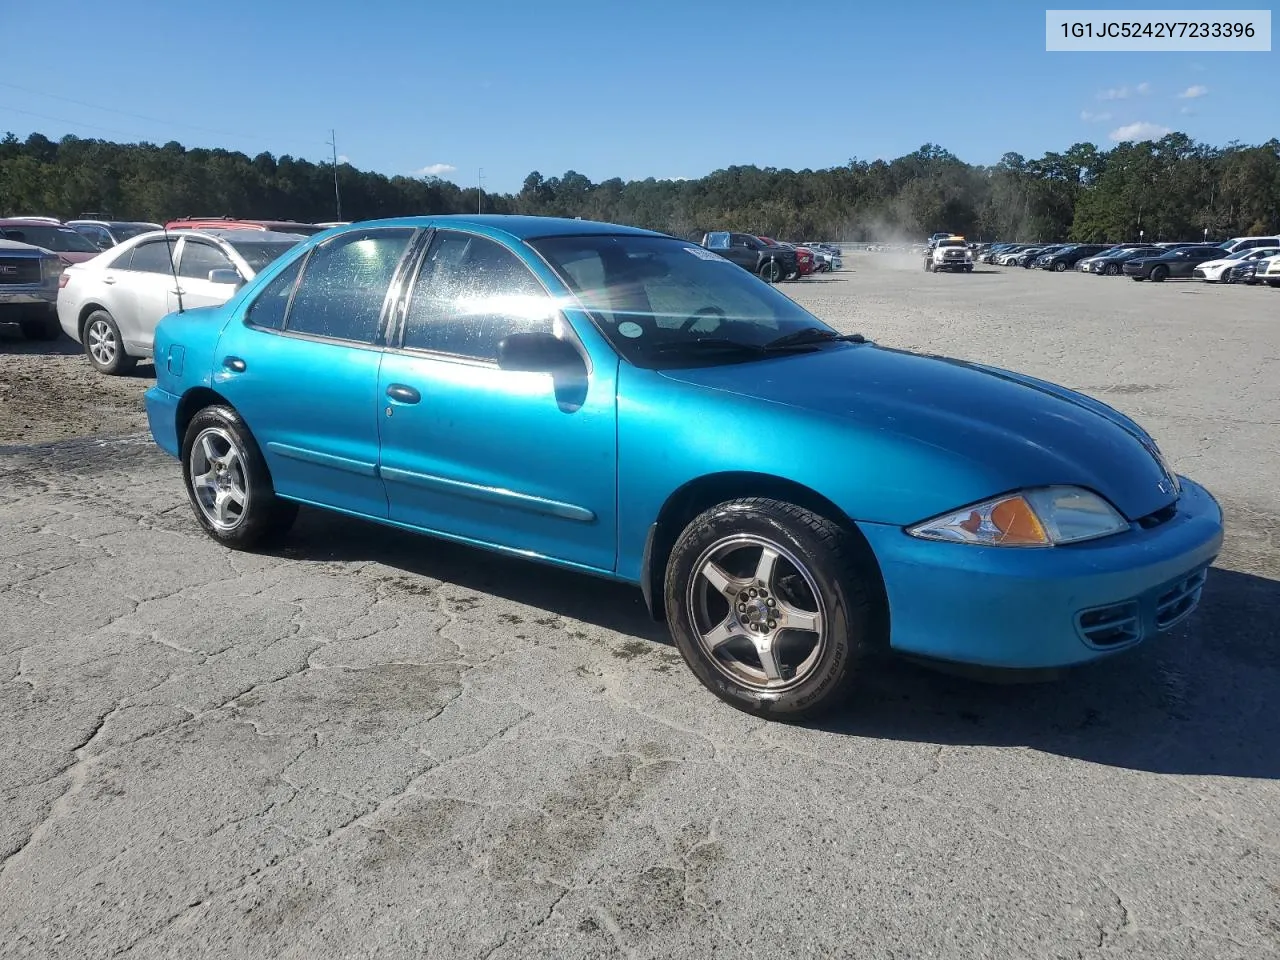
301, 366
196, 259
520, 460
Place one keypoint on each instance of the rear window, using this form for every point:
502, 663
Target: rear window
258, 255
60, 239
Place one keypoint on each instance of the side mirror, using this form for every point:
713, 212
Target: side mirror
226, 276
537, 353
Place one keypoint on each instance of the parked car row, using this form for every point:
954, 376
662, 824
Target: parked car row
36, 252
1240, 259
773, 260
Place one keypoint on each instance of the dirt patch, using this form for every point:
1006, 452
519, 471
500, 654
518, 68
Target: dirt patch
49, 391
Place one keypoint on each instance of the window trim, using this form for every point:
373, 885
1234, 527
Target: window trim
395, 344
392, 295
153, 241
181, 252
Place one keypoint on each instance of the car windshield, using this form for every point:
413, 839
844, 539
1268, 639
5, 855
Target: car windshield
58, 239
666, 302
258, 254
951, 243
127, 231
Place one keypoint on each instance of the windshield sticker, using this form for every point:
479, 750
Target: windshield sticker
706, 254
632, 330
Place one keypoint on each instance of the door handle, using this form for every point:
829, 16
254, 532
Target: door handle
403, 394
234, 364
108, 280
178, 292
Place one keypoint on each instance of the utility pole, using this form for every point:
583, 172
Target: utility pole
479, 187
337, 197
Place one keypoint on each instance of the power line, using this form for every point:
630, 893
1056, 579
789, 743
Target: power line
135, 116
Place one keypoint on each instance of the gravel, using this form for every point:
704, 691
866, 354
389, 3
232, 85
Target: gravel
371, 744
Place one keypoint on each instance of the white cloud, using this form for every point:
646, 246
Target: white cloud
1088, 116
1141, 130
1197, 90
435, 170
1187, 112
1124, 93
343, 158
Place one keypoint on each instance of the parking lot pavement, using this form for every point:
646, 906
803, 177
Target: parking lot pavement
369, 744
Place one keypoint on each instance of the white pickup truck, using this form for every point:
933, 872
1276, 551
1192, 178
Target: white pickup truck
949, 253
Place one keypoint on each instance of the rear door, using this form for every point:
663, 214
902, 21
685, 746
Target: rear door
521, 460
301, 366
139, 286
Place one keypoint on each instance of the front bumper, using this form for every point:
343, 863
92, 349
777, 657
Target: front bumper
162, 418
1033, 608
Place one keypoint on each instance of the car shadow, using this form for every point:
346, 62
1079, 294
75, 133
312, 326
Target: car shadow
1199, 700
325, 536
13, 342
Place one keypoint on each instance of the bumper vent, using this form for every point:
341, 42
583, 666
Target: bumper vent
1177, 602
1112, 626
1163, 515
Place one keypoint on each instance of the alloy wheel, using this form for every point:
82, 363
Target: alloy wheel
757, 612
218, 478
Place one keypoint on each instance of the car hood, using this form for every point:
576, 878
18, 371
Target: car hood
1027, 431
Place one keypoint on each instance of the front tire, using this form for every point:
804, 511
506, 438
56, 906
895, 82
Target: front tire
1159, 274
771, 606
104, 346
1112, 269
1059, 267
228, 481
771, 271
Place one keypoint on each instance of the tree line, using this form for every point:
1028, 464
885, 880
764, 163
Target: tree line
1171, 188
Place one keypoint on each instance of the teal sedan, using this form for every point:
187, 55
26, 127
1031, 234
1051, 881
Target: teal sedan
632, 406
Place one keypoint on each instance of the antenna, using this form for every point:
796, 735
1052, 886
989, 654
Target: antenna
173, 270
337, 197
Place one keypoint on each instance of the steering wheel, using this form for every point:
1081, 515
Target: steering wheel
704, 312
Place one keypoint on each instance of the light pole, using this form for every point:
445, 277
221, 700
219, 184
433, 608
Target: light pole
337, 197
479, 187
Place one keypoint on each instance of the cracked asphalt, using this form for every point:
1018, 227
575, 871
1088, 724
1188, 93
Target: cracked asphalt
369, 744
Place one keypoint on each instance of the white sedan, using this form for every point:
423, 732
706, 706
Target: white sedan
1214, 270
112, 303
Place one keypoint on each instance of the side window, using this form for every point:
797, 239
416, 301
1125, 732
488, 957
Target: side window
268, 308
151, 257
198, 258
471, 293
345, 284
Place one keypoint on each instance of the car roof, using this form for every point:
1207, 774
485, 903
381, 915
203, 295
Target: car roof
515, 226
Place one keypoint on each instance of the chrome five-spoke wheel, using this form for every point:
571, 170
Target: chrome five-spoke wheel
219, 482
757, 612
102, 344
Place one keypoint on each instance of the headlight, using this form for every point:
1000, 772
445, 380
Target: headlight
1041, 517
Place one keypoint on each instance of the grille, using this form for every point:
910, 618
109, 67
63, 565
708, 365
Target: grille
1113, 625
1176, 603
19, 270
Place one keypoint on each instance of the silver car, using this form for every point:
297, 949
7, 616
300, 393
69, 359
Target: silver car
111, 304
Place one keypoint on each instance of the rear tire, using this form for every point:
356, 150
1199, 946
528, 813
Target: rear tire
228, 482
104, 346
744, 569
771, 271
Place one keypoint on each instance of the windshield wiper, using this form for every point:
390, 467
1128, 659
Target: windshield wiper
807, 336
710, 344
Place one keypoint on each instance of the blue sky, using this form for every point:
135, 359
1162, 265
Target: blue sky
662, 88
